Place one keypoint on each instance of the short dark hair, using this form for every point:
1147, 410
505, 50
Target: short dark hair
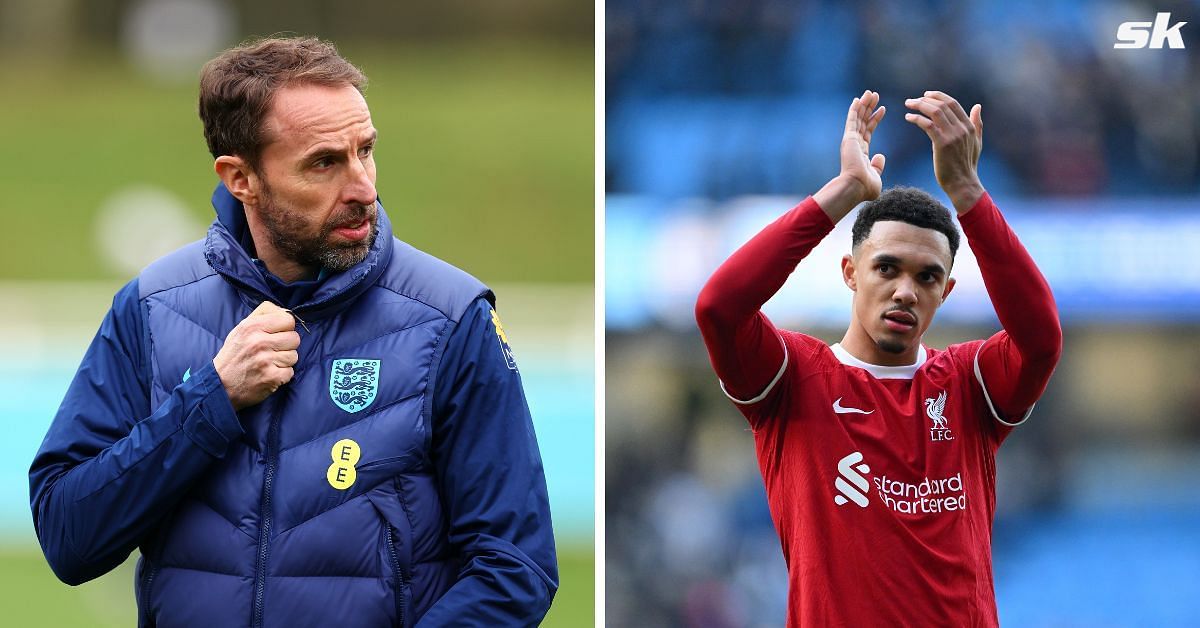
236, 88
910, 205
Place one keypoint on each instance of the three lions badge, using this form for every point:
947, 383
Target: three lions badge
353, 383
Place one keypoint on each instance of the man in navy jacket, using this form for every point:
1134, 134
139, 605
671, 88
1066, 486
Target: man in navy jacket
300, 420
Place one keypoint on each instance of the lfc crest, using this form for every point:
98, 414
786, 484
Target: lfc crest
353, 383
935, 409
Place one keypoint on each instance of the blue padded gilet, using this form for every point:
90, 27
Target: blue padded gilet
265, 530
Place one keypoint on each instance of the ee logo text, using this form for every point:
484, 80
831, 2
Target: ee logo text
341, 474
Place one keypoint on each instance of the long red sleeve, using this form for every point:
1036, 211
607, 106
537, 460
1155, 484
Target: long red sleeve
744, 347
1017, 362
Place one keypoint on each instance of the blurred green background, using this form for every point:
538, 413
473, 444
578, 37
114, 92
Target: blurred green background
486, 118
492, 139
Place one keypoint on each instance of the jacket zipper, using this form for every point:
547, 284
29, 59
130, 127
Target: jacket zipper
381, 461
401, 578
146, 594
264, 530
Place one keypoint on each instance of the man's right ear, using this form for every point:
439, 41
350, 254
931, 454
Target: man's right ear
239, 178
848, 273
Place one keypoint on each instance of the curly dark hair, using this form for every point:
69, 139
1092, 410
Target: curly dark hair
904, 204
236, 88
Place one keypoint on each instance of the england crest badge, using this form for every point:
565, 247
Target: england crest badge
353, 383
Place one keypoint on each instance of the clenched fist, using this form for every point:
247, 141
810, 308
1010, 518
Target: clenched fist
258, 355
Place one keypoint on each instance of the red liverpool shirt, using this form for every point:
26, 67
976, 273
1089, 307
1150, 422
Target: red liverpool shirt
881, 480
881, 483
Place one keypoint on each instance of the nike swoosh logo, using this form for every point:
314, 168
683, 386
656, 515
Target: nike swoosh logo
840, 409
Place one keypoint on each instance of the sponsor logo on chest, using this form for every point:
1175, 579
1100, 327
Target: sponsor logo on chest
342, 473
850, 482
930, 495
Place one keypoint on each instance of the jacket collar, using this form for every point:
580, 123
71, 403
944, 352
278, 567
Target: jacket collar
229, 250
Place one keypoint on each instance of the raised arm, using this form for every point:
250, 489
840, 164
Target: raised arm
1015, 364
744, 347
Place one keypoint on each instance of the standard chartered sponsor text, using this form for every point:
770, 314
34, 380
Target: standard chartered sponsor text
927, 496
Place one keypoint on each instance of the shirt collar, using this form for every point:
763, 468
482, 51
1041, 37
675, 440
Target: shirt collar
880, 372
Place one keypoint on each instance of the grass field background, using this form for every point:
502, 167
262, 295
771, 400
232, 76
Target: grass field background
485, 159
31, 596
485, 155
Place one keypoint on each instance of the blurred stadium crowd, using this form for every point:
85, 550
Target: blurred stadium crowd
710, 103
732, 88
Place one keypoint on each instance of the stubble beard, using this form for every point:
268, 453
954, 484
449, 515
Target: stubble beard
891, 346
287, 230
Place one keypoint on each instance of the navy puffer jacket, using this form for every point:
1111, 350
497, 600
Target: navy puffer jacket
394, 481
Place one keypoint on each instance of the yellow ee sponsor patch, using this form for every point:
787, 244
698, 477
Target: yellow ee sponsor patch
341, 474
505, 349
